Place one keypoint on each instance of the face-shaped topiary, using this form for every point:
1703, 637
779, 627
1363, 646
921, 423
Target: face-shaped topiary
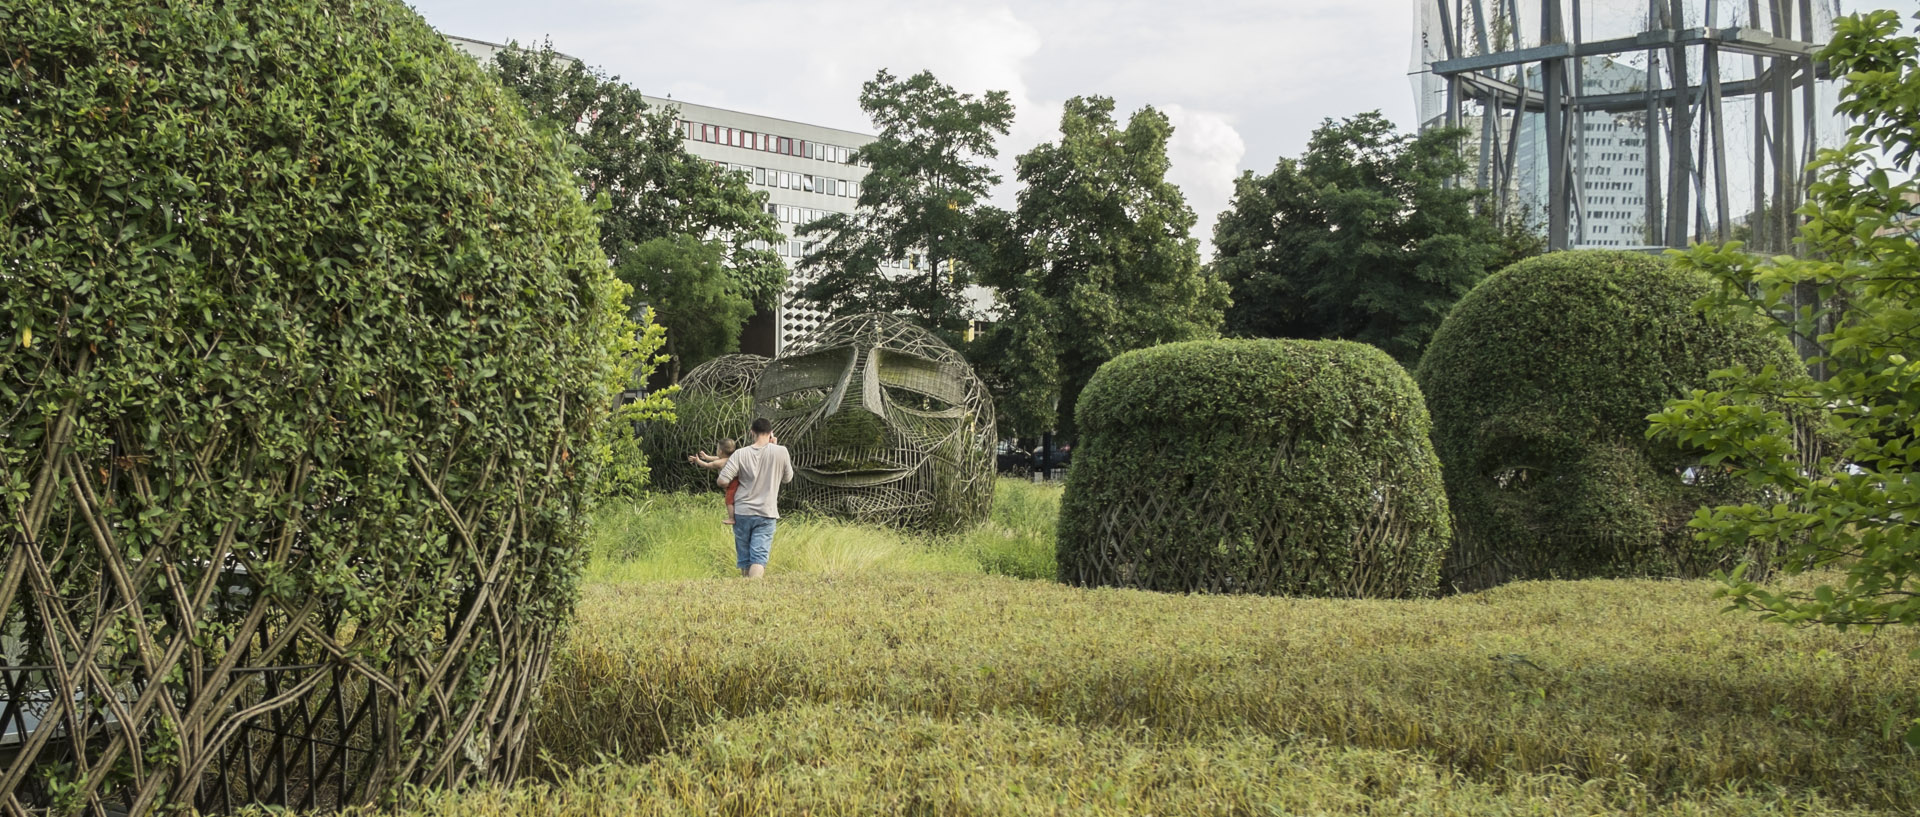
715, 403
885, 423
1540, 382
1281, 467
310, 351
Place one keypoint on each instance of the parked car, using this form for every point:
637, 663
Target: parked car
1009, 458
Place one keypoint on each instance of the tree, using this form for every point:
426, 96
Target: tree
1856, 506
655, 190
1362, 238
684, 280
922, 196
1097, 261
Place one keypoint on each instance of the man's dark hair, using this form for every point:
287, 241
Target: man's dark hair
762, 425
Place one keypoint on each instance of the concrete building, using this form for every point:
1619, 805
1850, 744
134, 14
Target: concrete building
1610, 164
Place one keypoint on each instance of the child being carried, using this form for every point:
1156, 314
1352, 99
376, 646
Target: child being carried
715, 463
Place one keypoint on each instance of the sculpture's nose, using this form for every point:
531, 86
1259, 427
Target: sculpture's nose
856, 423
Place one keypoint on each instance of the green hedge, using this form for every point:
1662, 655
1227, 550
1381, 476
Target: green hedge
1540, 382
304, 321
1254, 466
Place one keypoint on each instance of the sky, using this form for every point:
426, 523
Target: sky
1244, 82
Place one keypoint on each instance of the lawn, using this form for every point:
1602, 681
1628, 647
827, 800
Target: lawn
875, 672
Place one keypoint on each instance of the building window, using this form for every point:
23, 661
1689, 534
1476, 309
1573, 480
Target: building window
760, 176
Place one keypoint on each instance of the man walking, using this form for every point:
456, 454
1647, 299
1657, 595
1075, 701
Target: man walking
760, 468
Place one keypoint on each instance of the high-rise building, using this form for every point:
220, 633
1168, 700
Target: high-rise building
807, 172
1610, 163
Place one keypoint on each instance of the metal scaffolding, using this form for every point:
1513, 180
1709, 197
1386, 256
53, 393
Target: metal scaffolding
1635, 122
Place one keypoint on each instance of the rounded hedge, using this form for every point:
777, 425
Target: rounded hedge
1254, 466
309, 340
1540, 382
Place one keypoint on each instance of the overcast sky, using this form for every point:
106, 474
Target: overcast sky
1244, 81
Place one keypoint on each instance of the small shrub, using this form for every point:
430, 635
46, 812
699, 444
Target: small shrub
1540, 382
1254, 466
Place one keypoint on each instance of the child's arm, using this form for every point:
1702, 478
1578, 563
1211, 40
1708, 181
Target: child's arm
709, 463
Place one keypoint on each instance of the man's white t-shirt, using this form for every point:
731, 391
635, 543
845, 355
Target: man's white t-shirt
760, 469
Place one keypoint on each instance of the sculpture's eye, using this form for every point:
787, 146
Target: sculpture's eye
803, 400
912, 400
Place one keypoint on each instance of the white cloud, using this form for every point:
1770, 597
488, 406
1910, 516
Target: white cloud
1206, 151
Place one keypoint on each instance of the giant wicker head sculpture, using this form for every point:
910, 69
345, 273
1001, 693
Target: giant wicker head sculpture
715, 403
885, 423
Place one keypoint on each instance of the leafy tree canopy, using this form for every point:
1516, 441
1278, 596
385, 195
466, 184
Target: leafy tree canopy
1857, 507
1097, 261
656, 191
921, 200
691, 295
1362, 238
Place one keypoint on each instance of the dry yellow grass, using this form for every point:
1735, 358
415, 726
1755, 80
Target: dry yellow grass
1605, 682
834, 759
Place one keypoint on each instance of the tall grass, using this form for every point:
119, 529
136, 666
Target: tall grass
1599, 681
681, 536
844, 759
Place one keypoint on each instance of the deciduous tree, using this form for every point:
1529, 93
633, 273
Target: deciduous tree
1361, 238
923, 195
633, 155
1097, 261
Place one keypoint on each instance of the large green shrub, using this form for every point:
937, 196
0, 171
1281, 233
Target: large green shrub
1540, 382
309, 343
1254, 466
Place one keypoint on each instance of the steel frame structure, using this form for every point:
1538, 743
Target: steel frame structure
1486, 62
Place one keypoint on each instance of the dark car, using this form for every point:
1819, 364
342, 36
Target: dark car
1010, 458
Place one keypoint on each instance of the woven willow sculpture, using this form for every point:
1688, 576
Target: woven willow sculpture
309, 348
1279, 467
885, 422
715, 403
1540, 382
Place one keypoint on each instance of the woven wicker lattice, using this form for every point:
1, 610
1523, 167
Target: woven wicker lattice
885, 423
715, 403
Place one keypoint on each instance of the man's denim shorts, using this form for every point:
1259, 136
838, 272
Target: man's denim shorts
752, 540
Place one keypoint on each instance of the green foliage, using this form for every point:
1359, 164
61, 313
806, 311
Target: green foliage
658, 201
1636, 687
1099, 262
923, 194
1540, 382
1018, 539
1362, 238
1254, 466
1857, 505
291, 287
693, 295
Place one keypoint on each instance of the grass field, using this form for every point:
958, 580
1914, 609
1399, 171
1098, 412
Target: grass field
877, 673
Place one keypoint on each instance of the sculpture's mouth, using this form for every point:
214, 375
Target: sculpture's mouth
848, 474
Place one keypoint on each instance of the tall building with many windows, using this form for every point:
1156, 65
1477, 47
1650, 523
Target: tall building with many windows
1610, 165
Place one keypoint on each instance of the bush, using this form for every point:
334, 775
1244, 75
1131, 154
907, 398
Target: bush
1540, 382
311, 344
1254, 466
